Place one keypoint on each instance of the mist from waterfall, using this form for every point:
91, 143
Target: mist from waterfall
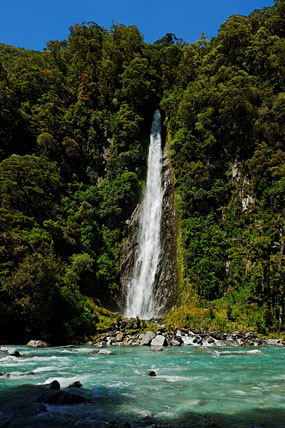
140, 291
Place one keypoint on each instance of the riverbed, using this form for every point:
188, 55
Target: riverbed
192, 387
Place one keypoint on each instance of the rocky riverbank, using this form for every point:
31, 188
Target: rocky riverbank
123, 334
129, 333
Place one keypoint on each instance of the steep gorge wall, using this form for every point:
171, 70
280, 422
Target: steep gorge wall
167, 269
166, 276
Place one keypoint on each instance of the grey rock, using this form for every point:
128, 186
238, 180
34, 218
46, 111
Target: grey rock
151, 373
147, 338
175, 342
254, 352
159, 340
105, 352
156, 348
37, 344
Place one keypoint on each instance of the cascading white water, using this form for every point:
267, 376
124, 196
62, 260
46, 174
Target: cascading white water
140, 290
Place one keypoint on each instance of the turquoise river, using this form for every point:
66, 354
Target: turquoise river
193, 387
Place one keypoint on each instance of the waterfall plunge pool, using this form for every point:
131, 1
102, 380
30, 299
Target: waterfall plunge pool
193, 387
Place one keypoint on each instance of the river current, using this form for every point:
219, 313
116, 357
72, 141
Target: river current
203, 387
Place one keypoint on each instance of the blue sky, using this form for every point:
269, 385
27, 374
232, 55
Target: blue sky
31, 23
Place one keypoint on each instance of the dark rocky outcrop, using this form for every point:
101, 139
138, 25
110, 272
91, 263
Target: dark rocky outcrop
129, 254
151, 373
4, 374
166, 277
13, 352
75, 384
55, 385
26, 403
61, 398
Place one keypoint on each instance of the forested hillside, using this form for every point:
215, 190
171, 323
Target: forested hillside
74, 135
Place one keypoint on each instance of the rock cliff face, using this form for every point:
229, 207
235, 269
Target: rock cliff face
128, 256
166, 276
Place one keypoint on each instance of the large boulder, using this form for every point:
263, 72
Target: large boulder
151, 373
120, 337
147, 338
254, 351
75, 384
61, 398
159, 340
37, 344
53, 385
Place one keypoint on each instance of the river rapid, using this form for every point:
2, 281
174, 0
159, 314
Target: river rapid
193, 387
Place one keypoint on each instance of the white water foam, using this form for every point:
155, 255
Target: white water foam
46, 369
182, 378
66, 381
140, 291
164, 415
33, 358
234, 353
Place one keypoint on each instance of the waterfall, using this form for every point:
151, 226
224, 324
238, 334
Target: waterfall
140, 291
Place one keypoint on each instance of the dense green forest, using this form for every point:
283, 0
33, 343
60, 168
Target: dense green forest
74, 135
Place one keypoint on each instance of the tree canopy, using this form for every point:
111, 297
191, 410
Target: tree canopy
74, 134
